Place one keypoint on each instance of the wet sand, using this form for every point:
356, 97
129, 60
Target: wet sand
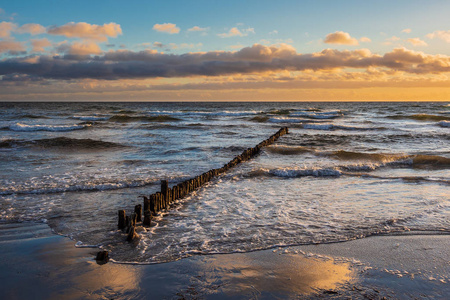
37, 264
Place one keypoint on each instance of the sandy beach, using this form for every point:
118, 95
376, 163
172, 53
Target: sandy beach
41, 265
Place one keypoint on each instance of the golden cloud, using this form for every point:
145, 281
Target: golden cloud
197, 28
416, 42
236, 32
6, 28
341, 38
11, 47
40, 44
257, 59
77, 48
86, 31
31, 28
167, 28
440, 34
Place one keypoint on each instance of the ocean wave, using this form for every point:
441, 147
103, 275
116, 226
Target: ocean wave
318, 115
128, 118
377, 157
280, 112
30, 116
420, 117
70, 143
193, 113
294, 172
286, 120
444, 123
415, 160
52, 187
260, 119
288, 150
9, 143
57, 128
92, 118
330, 126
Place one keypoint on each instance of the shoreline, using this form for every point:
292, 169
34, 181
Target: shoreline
40, 264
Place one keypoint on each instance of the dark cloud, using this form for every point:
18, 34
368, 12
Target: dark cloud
123, 64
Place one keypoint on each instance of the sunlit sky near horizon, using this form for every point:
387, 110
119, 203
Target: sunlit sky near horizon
224, 50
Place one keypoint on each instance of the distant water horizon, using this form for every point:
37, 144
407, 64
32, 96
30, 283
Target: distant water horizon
346, 170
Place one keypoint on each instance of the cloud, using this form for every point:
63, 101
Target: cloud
257, 59
236, 32
39, 45
167, 28
12, 47
77, 48
6, 28
232, 32
197, 28
365, 40
390, 40
440, 34
86, 31
173, 46
31, 28
340, 38
416, 42
407, 30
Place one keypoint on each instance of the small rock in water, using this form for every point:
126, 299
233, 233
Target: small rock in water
102, 257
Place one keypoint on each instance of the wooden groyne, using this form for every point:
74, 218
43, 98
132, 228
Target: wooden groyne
142, 214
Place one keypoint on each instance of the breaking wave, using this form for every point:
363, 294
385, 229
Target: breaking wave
318, 115
351, 170
377, 157
420, 117
128, 118
54, 128
444, 123
330, 126
61, 142
92, 118
419, 160
288, 150
52, 187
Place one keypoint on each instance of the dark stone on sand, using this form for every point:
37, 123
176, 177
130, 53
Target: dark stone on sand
102, 257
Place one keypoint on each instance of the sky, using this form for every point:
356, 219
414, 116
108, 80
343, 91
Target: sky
60, 50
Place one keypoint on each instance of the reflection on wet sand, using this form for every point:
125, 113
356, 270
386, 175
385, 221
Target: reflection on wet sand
111, 281
272, 274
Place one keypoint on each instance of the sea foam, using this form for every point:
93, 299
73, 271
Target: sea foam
24, 127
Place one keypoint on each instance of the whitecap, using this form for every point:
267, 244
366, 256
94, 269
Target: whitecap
444, 123
24, 127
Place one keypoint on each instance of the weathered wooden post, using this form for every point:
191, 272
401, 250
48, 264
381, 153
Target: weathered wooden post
147, 218
138, 212
122, 220
146, 203
132, 234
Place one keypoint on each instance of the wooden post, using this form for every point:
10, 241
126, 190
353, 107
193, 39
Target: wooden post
147, 218
132, 234
147, 203
128, 223
138, 212
122, 221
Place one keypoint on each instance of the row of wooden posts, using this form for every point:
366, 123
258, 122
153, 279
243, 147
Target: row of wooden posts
163, 200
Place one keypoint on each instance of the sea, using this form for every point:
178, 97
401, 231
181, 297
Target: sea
345, 171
